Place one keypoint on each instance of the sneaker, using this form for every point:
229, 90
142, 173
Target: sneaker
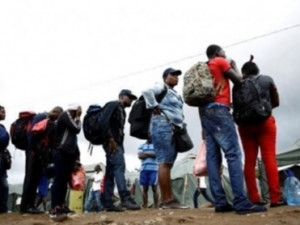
115, 209
260, 202
57, 215
251, 209
67, 211
223, 209
130, 204
277, 204
173, 204
34, 211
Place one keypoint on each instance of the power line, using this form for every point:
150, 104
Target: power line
170, 62
197, 55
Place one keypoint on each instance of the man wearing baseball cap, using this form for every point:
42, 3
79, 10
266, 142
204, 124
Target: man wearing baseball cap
113, 129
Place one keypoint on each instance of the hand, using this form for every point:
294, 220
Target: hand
112, 146
78, 112
156, 111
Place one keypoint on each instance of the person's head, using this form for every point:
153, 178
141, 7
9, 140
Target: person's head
250, 68
97, 168
170, 76
213, 51
126, 97
2, 113
55, 112
74, 109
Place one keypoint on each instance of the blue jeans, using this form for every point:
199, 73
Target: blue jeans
162, 139
93, 196
220, 133
115, 171
3, 193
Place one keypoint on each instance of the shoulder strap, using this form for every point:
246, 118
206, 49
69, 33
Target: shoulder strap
161, 96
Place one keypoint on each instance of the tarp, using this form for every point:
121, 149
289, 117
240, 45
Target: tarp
289, 159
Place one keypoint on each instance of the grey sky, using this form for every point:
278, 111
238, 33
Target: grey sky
57, 52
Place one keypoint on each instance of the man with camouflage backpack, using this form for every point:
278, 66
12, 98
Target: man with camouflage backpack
220, 133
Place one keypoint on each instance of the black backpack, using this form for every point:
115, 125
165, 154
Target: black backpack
92, 127
250, 103
139, 116
20, 128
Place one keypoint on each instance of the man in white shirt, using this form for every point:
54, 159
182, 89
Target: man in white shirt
95, 194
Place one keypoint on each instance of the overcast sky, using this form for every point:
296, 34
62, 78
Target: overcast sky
58, 52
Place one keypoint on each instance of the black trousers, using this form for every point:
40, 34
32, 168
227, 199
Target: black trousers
64, 166
33, 173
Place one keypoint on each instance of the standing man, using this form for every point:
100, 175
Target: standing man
220, 133
148, 174
113, 126
5, 163
66, 152
33, 164
94, 194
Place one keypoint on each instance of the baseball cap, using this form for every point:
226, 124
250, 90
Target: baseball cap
128, 93
73, 106
171, 71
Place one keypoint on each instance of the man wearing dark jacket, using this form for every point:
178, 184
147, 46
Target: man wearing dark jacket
113, 126
66, 152
5, 163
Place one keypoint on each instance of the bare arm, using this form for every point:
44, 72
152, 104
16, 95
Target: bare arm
146, 155
234, 76
274, 96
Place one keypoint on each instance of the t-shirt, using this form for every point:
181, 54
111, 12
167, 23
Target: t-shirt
218, 66
266, 82
97, 180
148, 163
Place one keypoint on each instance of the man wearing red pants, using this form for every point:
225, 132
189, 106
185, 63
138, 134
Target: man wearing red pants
261, 136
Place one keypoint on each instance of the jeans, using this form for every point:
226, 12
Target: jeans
162, 139
263, 137
115, 171
64, 165
3, 193
93, 196
220, 133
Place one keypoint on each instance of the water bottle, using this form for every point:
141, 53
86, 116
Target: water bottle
292, 189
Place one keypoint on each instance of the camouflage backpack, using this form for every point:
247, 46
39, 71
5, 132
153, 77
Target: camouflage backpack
198, 87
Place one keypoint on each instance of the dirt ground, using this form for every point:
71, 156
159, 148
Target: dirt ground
286, 215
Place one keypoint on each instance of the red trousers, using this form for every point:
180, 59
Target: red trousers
263, 137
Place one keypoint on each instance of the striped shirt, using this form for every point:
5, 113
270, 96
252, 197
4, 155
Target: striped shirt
149, 163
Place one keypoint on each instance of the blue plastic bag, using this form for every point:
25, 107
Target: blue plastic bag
292, 188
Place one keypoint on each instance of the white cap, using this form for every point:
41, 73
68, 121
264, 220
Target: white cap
73, 106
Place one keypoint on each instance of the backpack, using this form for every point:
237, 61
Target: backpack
250, 103
43, 138
139, 116
198, 86
20, 128
92, 127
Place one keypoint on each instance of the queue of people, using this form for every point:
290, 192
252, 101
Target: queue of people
159, 153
